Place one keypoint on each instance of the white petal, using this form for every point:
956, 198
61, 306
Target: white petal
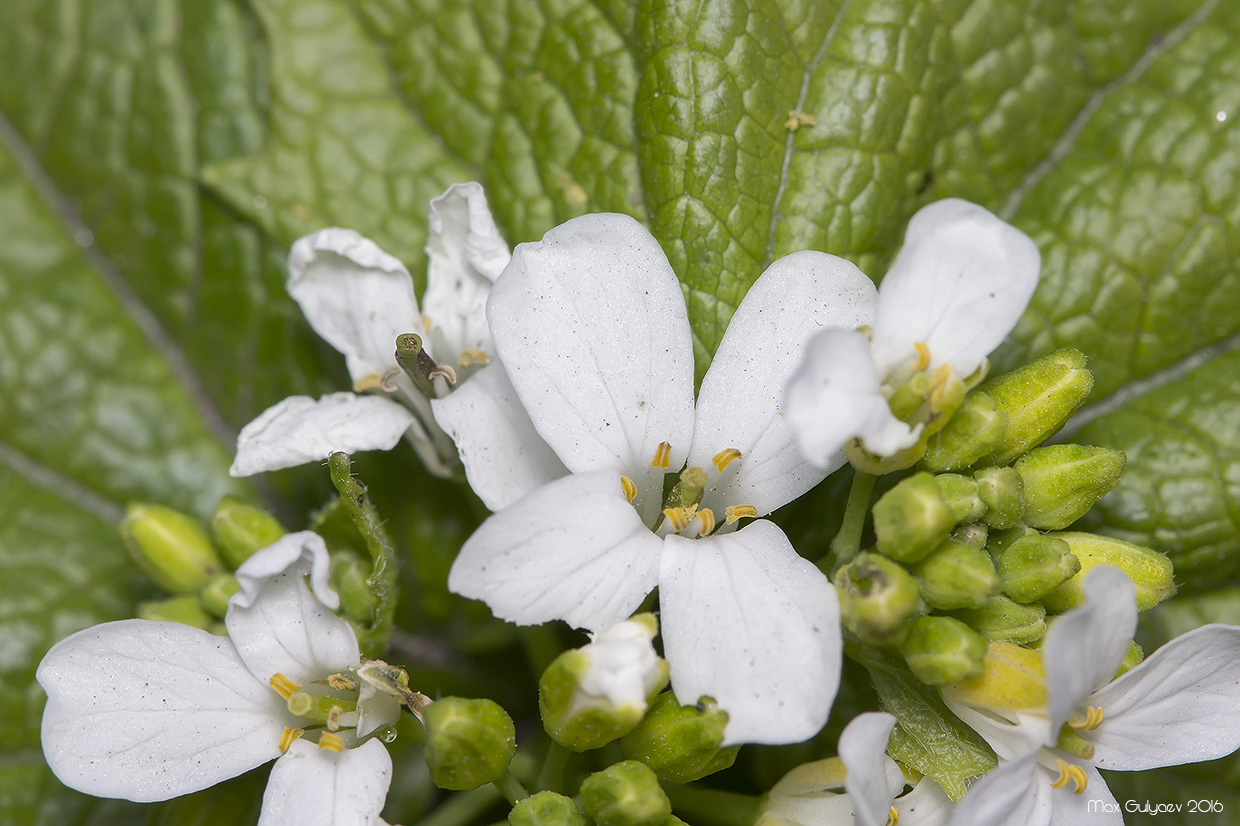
959, 284
573, 550
818, 810
1085, 646
310, 786
300, 430
591, 326
1179, 706
466, 254
278, 625
503, 455
1095, 806
873, 778
1014, 794
740, 404
151, 710
1009, 739
750, 623
835, 396
926, 805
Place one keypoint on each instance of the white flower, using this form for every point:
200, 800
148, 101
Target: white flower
1178, 706
359, 299
955, 290
151, 710
622, 668
591, 326
809, 795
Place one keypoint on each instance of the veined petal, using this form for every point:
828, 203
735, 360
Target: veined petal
740, 403
926, 805
1085, 646
152, 710
503, 455
573, 550
1014, 794
835, 395
591, 325
1179, 706
300, 429
816, 810
278, 625
466, 254
1010, 739
959, 284
752, 624
873, 778
355, 296
310, 786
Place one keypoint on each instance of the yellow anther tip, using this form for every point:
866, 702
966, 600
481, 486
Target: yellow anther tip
630, 489
662, 455
735, 513
289, 736
331, 742
724, 458
470, 357
283, 685
923, 356
708, 521
893, 817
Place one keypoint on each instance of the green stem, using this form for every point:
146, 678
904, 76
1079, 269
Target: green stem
711, 807
464, 808
511, 788
552, 775
847, 541
542, 645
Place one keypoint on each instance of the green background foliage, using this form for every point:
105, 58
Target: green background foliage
158, 157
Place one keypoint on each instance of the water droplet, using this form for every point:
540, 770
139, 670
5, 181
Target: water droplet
84, 237
1220, 116
260, 202
386, 733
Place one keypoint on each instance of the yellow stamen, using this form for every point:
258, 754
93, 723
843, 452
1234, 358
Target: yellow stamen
370, 381
444, 370
283, 685
1063, 778
923, 356
342, 682
939, 380
662, 455
735, 513
290, 735
893, 817
1093, 719
630, 489
471, 357
426, 322
332, 742
708, 521
724, 458
1079, 778
333, 718
1070, 772
679, 517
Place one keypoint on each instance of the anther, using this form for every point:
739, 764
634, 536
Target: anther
471, 357
289, 736
1093, 719
1064, 776
331, 742
386, 380
446, 371
735, 513
370, 381
1079, 778
724, 458
708, 521
662, 455
333, 718
938, 385
342, 682
630, 489
283, 685
893, 816
678, 517
923, 356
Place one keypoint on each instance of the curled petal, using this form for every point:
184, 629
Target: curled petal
573, 550
750, 623
873, 778
310, 786
300, 430
740, 404
959, 285
152, 710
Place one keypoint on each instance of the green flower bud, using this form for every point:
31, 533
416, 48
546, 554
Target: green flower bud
625, 794
681, 743
215, 595
960, 494
1150, 571
1003, 619
975, 431
956, 575
242, 529
592, 695
973, 534
350, 578
1038, 399
171, 548
1002, 490
942, 650
185, 609
912, 518
1062, 482
877, 598
468, 742
1033, 566
546, 809
1131, 660
1000, 540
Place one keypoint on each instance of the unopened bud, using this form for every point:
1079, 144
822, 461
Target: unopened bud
468, 742
1004, 619
592, 695
942, 650
350, 578
1002, 490
215, 594
242, 529
546, 809
1000, 540
1132, 659
1062, 482
1033, 566
625, 794
1012, 678
975, 431
973, 534
1038, 399
171, 548
1150, 571
956, 575
680, 743
960, 494
877, 598
911, 519
185, 609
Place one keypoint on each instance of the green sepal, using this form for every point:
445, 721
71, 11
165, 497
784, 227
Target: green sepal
680, 743
469, 742
1062, 482
1151, 572
546, 809
1038, 400
942, 650
241, 529
173, 549
215, 594
975, 431
1002, 618
1002, 491
1033, 566
625, 794
912, 518
877, 598
956, 575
